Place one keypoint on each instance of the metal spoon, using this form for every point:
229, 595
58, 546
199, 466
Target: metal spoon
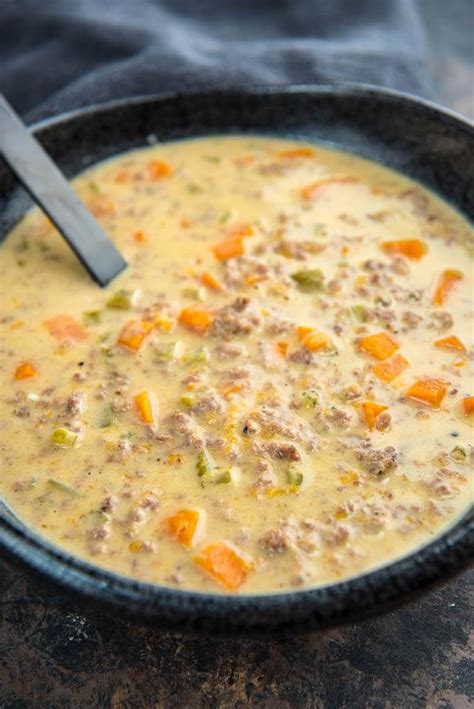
50, 190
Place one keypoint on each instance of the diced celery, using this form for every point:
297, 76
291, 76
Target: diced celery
310, 398
360, 312
225, 477
309, 280
91, 317
63, 437
123, 299
194, 293
203, 465
458, 454
107, 416
294, 477
199, 356
166, 351
188, 399
62, 487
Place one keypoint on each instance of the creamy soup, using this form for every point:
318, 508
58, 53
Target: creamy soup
277, 392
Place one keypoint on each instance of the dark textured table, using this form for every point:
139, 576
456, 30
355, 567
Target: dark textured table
57, 654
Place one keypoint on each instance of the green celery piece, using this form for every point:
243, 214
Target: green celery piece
294, 477
91, 317
359, 311
224, 478
165, 351
309, 280
310, 398
62, 487
199, 356
122, 299
188, 400
63, 437
107, 416
458, 454
203, 465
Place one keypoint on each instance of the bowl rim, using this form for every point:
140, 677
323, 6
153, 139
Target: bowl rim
445, 555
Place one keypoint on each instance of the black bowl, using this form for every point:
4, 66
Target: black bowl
415, 137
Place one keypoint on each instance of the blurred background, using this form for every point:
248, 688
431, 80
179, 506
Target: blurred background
60, 54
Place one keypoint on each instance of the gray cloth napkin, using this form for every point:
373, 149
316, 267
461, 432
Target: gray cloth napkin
57, 55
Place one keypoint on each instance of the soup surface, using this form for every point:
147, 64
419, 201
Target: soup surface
277, 393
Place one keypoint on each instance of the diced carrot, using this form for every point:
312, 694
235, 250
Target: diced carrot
312, 339
380, 345
413, 248
255, 278
233, 389
134, 334
25, 370
146, 405
121, 177
187, 527
211, 281
468, 405
65, 327
450, 343
185, 223
229, 248
302, 331
140, 237
310, 191
281, 348
242, 231
102, 206
295, 153
345, 250
371, 411
427, 391
226, 564
157, 169
389, 370
445, 285
244, 160
197, 318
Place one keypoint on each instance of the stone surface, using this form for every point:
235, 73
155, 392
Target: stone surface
60, 655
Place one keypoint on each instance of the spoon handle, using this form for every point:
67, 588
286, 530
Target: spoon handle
51, 191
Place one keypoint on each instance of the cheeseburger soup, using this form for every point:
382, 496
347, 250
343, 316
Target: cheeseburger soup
277, 393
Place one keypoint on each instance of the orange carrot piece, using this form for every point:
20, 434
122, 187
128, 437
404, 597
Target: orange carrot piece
65, 327
413, 248
281, 348
187, 527
380, 345
134, 334
211, 281
450, 343
232, 247
468, 405
157, 169
197, 318
294, 153
232, 389
242, 231
255, 278
102, 206
427, 391
146, 406
371, 411
445, 285
312, 339
391, 369
310, 191
226, 564
25, 370
121, 177
140, 237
